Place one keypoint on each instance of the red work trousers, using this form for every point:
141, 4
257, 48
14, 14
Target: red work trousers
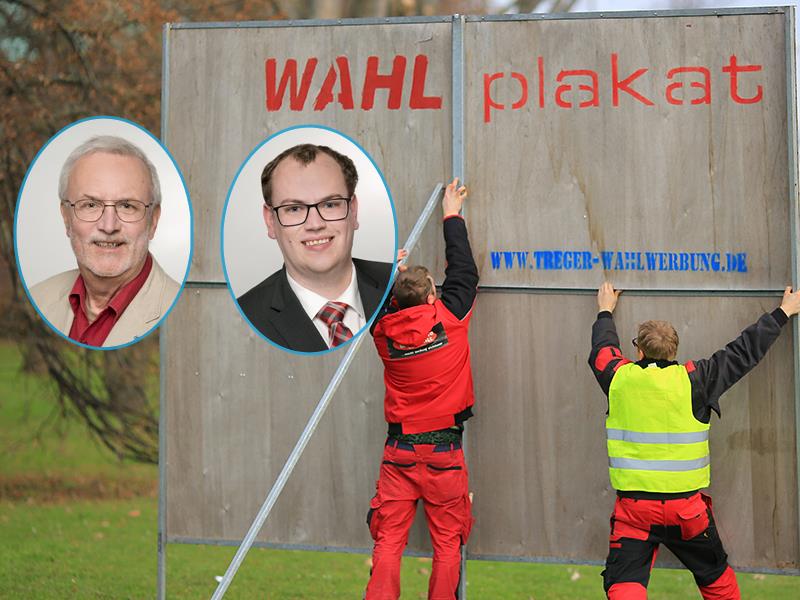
685, 526
436, 475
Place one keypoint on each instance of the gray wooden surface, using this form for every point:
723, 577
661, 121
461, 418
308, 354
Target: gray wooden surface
665, 178
217, 115
632, 178
537, 444
236, 407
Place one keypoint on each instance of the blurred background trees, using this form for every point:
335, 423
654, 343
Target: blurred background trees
60, 62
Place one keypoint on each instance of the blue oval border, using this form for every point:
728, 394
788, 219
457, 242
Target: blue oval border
191, 232
222, 239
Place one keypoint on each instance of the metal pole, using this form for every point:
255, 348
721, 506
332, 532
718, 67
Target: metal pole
794, 222
458, 171
311, 426
161, 575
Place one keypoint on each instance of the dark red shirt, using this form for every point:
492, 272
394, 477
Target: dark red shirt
96, 332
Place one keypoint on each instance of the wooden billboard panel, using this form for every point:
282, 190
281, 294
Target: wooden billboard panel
660, 141
233, 416
537, 444
703, 187
218, 114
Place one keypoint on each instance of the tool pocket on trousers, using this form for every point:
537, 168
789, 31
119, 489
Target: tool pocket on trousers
374, 516
693, 518
445, 483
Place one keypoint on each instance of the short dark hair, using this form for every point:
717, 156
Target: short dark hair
412, 287
657, 340
305, 154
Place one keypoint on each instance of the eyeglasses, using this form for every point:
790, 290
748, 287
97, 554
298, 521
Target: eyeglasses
635, 342
129, 211
331, 209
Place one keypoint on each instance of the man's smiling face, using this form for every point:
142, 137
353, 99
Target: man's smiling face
318, 250
110, 247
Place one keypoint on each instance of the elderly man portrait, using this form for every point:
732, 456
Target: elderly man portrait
110, 203
322, 296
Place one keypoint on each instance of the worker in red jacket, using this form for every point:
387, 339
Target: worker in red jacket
422, 341
657, 425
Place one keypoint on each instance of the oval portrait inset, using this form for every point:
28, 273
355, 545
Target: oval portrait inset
103, 232
309, 239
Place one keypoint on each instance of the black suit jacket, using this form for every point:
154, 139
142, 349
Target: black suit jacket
273, 308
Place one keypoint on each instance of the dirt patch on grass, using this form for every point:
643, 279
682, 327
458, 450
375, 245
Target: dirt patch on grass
54, 489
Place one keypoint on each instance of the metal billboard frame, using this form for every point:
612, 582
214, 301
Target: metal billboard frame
458, 24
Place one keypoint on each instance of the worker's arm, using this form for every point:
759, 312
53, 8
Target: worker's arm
460, 284
713, 376
606, 356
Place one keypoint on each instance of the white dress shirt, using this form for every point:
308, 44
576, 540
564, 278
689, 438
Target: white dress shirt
312, 302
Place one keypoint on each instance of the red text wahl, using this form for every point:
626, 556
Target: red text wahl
338, 79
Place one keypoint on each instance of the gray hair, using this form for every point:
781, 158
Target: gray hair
108, 144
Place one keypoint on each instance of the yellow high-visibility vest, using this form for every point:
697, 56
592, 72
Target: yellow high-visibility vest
655, 444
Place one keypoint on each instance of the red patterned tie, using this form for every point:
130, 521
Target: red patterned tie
332, 314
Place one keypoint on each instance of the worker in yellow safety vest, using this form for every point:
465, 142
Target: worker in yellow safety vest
657, 426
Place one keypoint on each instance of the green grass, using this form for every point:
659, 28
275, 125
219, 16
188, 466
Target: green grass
36, 441
54, 546
108, 550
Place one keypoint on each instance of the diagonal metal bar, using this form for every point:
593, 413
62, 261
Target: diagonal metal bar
313, 422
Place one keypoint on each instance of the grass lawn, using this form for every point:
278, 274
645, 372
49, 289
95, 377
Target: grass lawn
41, 451
77, 523
107, 549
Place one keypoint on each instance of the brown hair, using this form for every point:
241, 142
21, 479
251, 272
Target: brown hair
412, 286
657, 340
305, 154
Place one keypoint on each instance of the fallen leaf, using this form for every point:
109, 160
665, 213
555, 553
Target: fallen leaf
575, 576
99, 535
759, 577
135, 513
424, 571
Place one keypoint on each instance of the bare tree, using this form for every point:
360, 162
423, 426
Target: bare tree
62, 62
59, 63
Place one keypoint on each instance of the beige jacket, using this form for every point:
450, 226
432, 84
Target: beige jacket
143, 313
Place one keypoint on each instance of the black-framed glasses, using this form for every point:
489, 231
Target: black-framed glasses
330, 209
89, 210
635, 342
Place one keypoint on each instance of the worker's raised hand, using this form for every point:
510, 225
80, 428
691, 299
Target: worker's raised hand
791, 302
607, 297
402, 254
454, 197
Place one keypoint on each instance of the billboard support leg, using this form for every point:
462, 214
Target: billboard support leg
458, 171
